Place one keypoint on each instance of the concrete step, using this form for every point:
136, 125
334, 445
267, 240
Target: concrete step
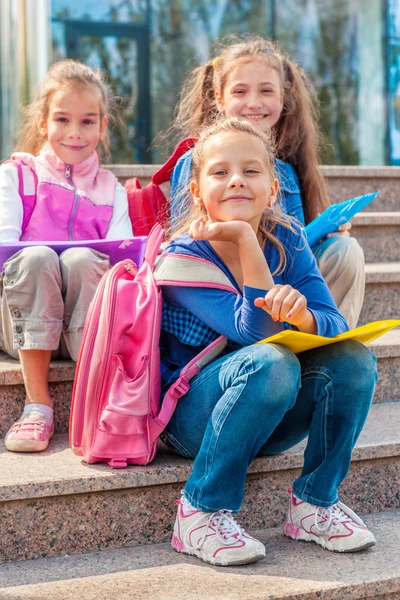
382, 292
344, 182
350, 181
52, 504
290, 571
378, 234
12, 394
387, 351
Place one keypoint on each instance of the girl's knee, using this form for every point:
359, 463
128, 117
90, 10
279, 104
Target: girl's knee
341, 251
354, 363
73, 257
83, 259
275, 372
31, 260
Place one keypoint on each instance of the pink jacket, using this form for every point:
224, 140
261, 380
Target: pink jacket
63, 202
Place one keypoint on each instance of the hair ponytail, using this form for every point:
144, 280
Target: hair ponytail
298, 138
197, 104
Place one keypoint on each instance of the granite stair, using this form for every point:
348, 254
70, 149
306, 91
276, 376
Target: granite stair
157, 573
53, 504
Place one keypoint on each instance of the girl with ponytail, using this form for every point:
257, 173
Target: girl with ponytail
250, 78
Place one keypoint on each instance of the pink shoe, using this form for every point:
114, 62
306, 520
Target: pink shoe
336, 528
29, 435
215, 537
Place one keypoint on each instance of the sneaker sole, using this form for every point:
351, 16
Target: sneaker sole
199, 554
27, 445
297, 534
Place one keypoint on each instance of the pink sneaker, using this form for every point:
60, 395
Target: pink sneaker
29, 435
336, 528
215, 537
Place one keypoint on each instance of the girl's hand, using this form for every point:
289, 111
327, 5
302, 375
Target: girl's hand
341, 230
230, 231
284, 303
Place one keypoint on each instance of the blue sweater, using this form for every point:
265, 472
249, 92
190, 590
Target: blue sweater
289, 197
194, 317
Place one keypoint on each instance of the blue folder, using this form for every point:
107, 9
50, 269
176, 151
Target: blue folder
335, 215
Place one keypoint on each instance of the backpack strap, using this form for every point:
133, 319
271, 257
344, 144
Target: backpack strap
27, 187
164, 173
182, 385
188, 271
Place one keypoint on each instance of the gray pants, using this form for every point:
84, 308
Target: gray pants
341, 262
44, 299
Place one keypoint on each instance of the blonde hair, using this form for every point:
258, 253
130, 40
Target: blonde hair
66, 73
189, 211
297, 132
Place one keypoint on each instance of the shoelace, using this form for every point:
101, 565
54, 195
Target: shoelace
225, 526
335, 513
29, 424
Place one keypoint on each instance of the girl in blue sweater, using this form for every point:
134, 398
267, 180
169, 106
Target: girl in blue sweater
250, 78
257, 399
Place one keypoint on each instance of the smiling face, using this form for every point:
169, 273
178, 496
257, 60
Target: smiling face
235, 181
252, 91
74, 123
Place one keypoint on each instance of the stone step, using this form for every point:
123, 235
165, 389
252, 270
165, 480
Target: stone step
52, 504
290, 571
12, 394
344, 182
350, 181
387, 351
378, 234
382, 292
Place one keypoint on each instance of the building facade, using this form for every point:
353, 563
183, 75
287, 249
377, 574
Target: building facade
349, 48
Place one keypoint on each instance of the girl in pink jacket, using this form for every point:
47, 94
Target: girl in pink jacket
52, 189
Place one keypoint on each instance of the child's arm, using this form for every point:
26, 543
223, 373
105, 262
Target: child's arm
311, 294
120, 226
289, 191
11, 210
179, 185
291, 198
233, 316
255, 269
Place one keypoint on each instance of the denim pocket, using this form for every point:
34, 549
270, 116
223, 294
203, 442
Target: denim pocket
169, 440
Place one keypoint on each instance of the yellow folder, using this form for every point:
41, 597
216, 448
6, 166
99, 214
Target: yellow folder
297, 341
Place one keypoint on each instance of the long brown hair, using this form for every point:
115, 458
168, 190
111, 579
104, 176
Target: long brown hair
65, 73
297, 132
273, 216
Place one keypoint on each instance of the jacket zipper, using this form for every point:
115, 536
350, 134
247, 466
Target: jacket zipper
68, 175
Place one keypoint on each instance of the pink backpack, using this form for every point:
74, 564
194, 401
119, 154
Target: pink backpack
149, 205
116, 415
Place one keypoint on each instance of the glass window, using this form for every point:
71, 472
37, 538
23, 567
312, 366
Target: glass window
339, 43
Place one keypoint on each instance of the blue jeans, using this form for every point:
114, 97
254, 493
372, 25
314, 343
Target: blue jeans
262, 399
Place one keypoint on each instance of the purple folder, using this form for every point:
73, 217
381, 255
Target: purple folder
117, 250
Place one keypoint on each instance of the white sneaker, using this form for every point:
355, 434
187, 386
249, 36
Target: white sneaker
336, 528
215, 537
